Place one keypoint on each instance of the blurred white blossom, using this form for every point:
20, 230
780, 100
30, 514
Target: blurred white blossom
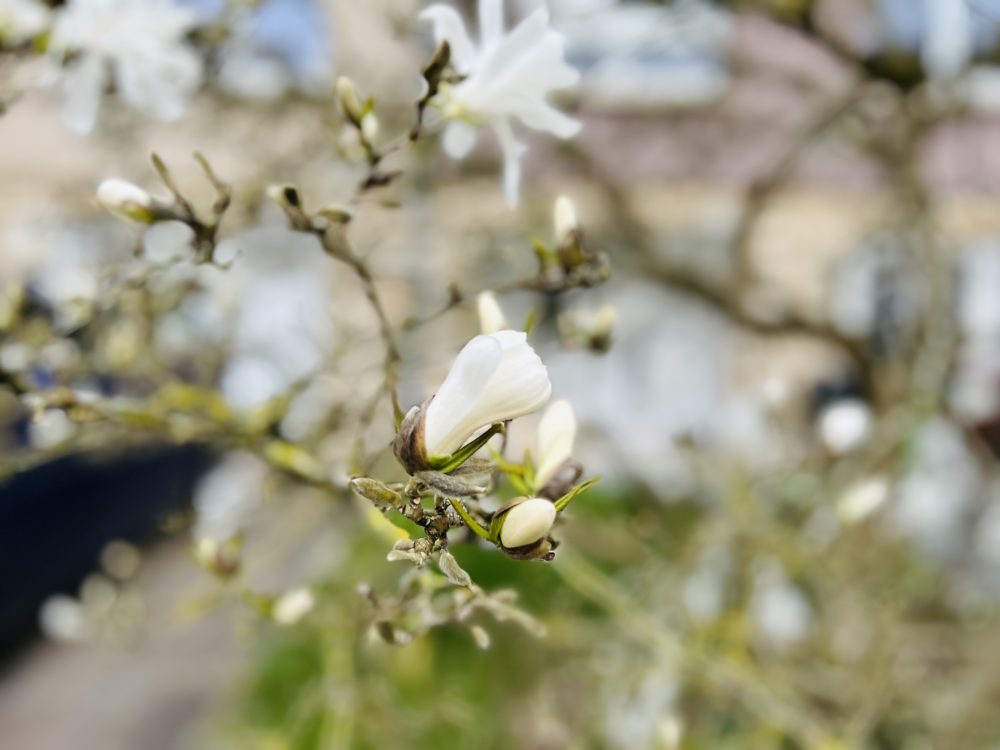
139, 45
508, 76
22, 20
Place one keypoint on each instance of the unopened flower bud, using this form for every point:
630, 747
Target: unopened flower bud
127, 200
292, 606
566, 221
369, 128
381, 495
556, 433
219, 558
349, 99
527, 522
491, 317
602, 327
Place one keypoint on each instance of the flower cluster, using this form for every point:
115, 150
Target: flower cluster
497, 377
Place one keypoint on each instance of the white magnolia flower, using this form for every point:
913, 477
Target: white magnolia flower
491, 317
507, 76
495, 377
22, 20
139, 44
527, 522
556, 433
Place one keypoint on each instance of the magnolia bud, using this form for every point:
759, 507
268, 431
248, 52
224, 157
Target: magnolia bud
219, 558
369, 128
382, 496
491, 317
565, 220
292, 606
349, 99
527, 522
126, 200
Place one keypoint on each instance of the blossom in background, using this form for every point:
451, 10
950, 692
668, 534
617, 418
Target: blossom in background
495, 377
556, 433
508, 76
491, 317
139, 45
21, 21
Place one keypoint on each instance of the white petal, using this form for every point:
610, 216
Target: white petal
449, 27
161, 85
458, 139
83, 84
494, 378
556, 433
512, 150
445, 426
544, 116
490, 21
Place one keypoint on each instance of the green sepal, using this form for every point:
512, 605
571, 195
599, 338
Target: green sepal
445, 464
477, 529
566, 499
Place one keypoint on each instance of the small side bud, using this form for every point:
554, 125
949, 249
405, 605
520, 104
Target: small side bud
566, 222
603, 326
527, 523
350, 101
290, 201
292, 606
369, 128
221, 559
491, 317
374, 490
127, 201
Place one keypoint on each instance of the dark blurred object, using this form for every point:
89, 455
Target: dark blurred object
55, 519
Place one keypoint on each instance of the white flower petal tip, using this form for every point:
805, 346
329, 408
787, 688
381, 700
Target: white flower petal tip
527, 522
126, 200
508, 76
491, 317
556, 435
496, 377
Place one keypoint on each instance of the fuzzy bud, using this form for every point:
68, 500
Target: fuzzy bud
408, 447
371, 489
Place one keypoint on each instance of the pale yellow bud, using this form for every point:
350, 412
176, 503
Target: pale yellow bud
126, 200
491, 317
292, 606
527, 522
566, 222
369, 128
349, 99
